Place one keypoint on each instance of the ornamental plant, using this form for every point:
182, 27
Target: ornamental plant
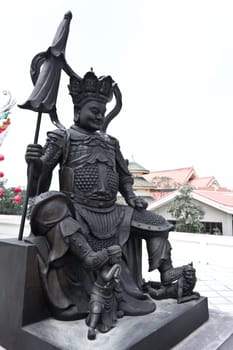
11, 199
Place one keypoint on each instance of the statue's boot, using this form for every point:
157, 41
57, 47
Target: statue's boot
92, 322
136, 307
176, 282
69, 314
162, 292
171, 274
91, 333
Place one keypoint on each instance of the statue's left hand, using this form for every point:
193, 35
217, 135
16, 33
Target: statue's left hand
137, 203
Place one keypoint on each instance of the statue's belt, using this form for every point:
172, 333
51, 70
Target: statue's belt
95, 203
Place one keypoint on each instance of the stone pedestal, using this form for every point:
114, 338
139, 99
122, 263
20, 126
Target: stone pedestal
25, 321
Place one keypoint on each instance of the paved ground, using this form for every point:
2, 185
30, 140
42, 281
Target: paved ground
217, 284
213, 281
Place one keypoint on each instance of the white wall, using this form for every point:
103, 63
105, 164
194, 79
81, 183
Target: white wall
9, 226
216, 251
215, 215
207, 249
211, 215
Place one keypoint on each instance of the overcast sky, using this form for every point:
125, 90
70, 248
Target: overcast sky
172, 59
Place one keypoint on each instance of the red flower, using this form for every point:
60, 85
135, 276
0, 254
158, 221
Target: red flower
1, 174
1, 191
17, 190
2, 157
17, 199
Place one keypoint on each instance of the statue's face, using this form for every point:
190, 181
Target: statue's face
91, 116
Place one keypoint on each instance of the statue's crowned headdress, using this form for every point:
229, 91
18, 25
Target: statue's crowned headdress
90, 88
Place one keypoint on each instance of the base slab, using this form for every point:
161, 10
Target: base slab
25, 321
161, 330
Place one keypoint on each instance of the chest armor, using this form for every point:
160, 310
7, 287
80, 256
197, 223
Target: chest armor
89, 171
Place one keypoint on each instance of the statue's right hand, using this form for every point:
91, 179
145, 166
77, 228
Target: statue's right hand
33, 154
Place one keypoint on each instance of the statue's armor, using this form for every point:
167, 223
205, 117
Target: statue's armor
90, 171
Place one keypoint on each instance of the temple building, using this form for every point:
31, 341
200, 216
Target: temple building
160, 188
216, 201
142, 187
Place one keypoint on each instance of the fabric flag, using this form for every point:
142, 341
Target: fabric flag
46, 72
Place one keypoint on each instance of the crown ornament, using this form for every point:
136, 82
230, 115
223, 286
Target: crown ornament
91, 88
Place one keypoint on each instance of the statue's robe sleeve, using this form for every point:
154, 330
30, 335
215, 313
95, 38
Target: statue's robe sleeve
52, 155
125, 177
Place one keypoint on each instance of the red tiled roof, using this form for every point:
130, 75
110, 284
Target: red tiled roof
179, 176
221, 197
157, 195
201, 182
206, 189
214, 188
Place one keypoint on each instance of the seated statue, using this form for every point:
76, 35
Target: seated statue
74, 227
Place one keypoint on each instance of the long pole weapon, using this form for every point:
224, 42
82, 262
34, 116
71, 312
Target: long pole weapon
45, 74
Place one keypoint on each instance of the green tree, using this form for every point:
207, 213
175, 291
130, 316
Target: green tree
188, 215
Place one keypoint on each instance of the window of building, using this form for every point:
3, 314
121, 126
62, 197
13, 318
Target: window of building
211, 228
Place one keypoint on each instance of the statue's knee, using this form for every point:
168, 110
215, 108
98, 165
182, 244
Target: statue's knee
48, 209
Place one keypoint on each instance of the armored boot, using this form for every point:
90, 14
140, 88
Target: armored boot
158, 291
168, 273
176, 282
91, 333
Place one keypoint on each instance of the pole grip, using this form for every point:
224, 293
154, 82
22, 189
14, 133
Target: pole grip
30, 172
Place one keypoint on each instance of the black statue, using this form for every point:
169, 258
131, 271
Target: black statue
74, 228
106, 295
